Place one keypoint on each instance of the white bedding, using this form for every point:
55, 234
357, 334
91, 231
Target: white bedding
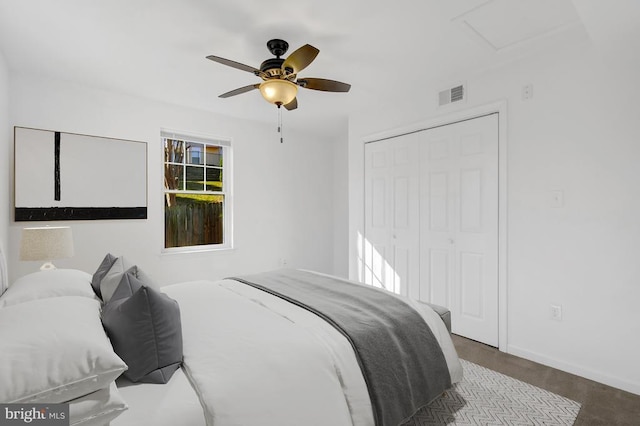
170, 404
257, 360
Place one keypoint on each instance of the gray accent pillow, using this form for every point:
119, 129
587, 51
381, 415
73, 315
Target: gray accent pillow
129, 284
145, 330
146, 279
104, 267
112, 278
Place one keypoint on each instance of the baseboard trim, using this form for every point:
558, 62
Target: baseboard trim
578, 370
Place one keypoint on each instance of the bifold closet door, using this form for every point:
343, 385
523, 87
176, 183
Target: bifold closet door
392, 232
459, 224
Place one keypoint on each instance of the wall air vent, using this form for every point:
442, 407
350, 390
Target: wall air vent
454, 94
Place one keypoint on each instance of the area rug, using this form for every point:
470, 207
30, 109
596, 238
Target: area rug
486, 397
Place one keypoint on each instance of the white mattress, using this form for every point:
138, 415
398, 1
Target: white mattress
171, 404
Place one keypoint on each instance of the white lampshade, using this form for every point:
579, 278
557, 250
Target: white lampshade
46, 243
279, 92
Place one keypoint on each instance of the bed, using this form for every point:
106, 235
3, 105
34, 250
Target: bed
248, 354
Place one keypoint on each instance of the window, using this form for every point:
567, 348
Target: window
197, 192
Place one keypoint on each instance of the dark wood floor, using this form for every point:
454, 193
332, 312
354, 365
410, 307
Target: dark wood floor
601, 404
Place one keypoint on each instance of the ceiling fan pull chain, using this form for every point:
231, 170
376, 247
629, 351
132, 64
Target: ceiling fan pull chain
280, 123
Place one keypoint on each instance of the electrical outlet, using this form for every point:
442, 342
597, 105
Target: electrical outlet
284, 262
556, 312
527, 92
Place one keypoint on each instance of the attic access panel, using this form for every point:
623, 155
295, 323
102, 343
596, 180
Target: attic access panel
67, 176
505, 23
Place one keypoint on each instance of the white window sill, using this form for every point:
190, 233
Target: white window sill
191, 250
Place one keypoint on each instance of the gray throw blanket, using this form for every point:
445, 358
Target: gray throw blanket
400, 358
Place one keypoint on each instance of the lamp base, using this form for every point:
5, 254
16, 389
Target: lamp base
47, 266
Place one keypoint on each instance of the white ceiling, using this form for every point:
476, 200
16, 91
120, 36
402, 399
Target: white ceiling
387, 50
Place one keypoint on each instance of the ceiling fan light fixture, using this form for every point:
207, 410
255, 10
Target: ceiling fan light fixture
278, 92
280, 75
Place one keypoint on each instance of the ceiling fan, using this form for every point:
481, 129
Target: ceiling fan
279, 76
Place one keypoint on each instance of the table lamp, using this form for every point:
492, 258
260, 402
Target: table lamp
46, 243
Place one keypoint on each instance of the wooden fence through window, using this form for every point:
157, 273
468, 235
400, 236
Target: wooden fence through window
194, 224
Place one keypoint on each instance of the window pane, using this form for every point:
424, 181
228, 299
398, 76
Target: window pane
193, 220
173, 177
195, 153
214, 156
195, 178
214, 179
173, 151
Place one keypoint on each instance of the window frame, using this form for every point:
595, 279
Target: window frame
227, 187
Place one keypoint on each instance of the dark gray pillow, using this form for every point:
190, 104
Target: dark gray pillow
145, 330
104, 267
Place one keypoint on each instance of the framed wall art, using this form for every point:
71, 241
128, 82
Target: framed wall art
68, 176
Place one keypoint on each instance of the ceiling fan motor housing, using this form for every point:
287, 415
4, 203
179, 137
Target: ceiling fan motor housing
272, 67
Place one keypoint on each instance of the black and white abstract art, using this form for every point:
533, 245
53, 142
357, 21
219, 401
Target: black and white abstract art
67, 176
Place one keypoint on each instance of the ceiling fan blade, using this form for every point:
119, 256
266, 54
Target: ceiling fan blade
301, 58
292, 105
239, 91
323, 84
234, 64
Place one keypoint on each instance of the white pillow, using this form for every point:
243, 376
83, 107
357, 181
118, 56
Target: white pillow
44, 284
54, 350
97, 408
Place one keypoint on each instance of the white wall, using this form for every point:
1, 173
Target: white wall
282, 208
5, 154
341, 203
579, 134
